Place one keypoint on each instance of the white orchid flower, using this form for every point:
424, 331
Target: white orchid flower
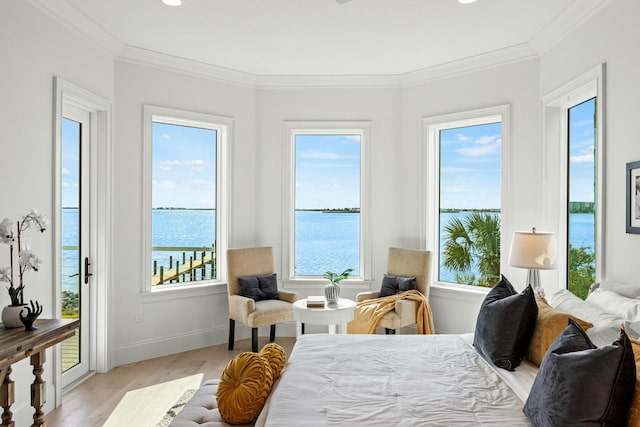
6, 231
5, 274
29, 261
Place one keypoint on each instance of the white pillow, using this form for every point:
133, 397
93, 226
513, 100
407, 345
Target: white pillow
627, 308
606, 326
624, 289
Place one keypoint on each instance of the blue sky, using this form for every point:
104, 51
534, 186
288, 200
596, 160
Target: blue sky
470, 164
184, 166
581, 152
327, 171
70, 156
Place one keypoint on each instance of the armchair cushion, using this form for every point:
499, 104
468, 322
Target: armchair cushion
392, 285
259, 288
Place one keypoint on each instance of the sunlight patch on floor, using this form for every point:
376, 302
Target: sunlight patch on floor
146, 406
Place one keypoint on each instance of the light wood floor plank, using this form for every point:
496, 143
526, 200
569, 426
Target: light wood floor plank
90, 403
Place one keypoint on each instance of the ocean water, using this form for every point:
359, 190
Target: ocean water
324, 241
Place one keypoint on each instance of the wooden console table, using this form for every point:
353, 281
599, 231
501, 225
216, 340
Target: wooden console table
17, 344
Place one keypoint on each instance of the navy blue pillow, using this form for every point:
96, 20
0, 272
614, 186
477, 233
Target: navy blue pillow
259, 287
579, 384
392, 285
505, 325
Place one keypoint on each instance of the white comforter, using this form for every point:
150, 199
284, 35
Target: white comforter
401, 380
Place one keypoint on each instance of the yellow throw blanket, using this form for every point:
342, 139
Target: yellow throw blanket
369, 313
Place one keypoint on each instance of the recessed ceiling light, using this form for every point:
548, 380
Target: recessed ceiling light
172, 2
466, 1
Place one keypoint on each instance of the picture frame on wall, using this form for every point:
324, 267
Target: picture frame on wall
633, 197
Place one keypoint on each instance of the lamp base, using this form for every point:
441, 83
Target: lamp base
533, 279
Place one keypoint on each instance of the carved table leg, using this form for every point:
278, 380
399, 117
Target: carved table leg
7, 397
38, 389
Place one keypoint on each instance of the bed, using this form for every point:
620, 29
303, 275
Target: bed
417, 380
408, 380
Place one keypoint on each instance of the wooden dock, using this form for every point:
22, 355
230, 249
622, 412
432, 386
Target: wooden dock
186, 268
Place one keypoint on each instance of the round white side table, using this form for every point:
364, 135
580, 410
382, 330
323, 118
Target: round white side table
332, 315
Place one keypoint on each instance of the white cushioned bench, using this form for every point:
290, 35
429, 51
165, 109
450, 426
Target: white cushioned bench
202, 409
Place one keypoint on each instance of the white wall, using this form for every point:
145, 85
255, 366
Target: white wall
455, 311
610, 37
34, 48
188, 320
378, 106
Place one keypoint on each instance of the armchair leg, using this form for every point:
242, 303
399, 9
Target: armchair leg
388, 331
232, 330
272, 333
254, 340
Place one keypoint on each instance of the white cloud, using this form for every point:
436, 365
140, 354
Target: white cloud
200, 184
194, 165
483, 149
319, 155
456, 170
584, 156
165, 184
463, 138
165, 136
65, 172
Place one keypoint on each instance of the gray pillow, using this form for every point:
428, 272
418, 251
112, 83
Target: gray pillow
392, 285
579, 384
505, 325
259, 287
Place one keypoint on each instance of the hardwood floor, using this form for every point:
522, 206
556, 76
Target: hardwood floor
91, 403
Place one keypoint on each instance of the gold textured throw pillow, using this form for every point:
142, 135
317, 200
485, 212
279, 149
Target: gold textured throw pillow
549, 324
244, 387
634, 411
276, 356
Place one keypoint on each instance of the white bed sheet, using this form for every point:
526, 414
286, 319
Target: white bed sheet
407, 380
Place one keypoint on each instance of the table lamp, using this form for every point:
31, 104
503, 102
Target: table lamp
534, 250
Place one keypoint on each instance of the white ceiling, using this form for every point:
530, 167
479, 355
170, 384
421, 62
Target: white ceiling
322, 37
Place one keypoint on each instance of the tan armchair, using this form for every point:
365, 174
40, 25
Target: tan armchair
404, 263
255, 262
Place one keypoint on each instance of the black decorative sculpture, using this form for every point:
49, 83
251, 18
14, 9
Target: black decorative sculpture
32, 314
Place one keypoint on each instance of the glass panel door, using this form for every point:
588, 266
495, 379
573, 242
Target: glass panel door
75, 240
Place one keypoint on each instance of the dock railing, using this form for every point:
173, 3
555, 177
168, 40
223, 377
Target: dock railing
186, 264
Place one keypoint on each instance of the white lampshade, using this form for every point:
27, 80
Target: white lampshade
533, 250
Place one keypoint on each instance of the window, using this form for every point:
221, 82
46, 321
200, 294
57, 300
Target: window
184, 164
573, 126
327, 207
465, 157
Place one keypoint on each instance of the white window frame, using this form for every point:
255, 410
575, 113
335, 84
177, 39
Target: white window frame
555, 106
431, 127
224, 131
293, 128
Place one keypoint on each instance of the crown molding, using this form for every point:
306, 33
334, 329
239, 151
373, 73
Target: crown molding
136, 55
576, 14
328, 81
77, 22
572, 17
508, 55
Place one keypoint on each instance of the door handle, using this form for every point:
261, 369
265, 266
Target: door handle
86, 270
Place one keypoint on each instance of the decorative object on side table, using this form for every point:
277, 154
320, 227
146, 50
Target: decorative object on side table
332, 290
32, 314
27, 260
314, 301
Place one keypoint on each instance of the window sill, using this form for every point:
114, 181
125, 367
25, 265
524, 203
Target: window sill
308, 283
172, 292
459, 292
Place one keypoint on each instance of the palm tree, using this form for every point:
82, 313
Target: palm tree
473, 241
